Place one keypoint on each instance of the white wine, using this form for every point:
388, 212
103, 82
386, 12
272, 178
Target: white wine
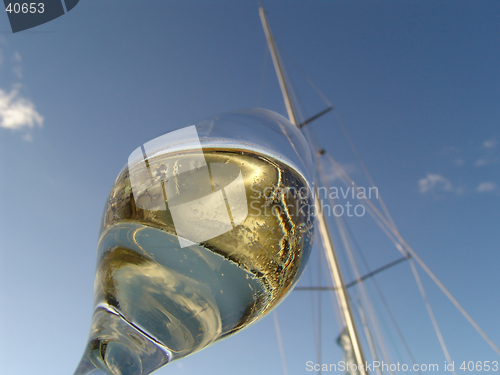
157, 300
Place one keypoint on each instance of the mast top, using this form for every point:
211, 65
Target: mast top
279, 69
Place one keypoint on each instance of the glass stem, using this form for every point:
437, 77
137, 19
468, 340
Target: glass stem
88, 367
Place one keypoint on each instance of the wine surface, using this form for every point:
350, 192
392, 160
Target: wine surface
156, 301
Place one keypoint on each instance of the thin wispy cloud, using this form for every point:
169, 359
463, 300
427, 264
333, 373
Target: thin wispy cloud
486, 187
489, 153
332, 174
490, 143
438, 186
434, 183
3, 44
481, 162
485, 153
17, 69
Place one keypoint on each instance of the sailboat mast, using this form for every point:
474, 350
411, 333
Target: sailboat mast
329, 248
279, 70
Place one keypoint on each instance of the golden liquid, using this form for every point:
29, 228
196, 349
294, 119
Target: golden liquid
156, 301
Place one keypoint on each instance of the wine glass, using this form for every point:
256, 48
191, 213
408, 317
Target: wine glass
206, 229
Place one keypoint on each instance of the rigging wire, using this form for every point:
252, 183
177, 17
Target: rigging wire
280, 342
436, 327
315, 324
357, 276
370, 307
386, 306
365, 170
297, 107
332, 294
431, 314
263, 78
392, 226
344, 130
382, 298
389, 218
333, 297
386, 329
320, 326
347, 247
402, 245
314, 142
307, 78
388, 225
301, 118
372, 315
368, 334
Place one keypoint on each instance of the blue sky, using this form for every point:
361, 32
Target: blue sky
416, 83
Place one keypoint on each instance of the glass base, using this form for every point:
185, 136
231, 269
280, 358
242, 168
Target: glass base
119, 348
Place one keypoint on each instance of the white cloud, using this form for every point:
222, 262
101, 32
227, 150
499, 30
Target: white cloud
17, 57
481, 162
17, 69
434, 182
489, 159
490, 143
486, 187
17, 112
489, 156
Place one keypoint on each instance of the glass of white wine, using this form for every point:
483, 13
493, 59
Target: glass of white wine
206, 229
